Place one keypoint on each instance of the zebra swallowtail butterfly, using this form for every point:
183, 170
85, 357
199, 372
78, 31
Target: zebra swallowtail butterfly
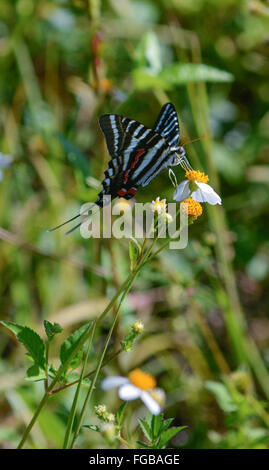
138, 154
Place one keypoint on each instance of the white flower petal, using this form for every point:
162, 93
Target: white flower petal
129, 392
150, 403
205, 193
114, 381
182, 191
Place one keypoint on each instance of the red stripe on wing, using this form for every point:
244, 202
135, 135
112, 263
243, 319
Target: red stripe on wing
122, 192
132, 191
138, 155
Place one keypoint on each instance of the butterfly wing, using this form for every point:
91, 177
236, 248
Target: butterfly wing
167, 124
138, 155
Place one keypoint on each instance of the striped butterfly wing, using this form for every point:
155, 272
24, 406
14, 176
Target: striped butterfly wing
138, 155
167, 125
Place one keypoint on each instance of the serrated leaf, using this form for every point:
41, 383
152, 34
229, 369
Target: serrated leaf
168, 434
145, 428
166, 423
180, 73
149, 418
33, 344
52, 329
71, 343
35, 374
14, 327
120, 413
30, 339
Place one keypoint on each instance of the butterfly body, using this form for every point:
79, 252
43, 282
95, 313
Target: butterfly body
138, 154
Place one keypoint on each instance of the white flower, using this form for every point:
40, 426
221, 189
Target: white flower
159, 206
198, 188
138, 384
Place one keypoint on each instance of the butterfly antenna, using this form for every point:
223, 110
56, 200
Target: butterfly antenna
184, 161
72, 229
83, 220
64, 223
70, 220
186, 141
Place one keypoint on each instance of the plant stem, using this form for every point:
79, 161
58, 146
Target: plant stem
125, 442
126, 285
33, 420
75, 401
47, 366
89, 394
57, 390
47, 394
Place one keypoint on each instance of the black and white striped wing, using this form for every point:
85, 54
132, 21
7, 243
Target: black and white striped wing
167, 124
138, 155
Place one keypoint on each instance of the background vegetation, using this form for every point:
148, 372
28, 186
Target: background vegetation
205, 309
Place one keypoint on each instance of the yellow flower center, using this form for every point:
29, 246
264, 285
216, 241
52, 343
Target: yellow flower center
196, 175
194, 207
142, 380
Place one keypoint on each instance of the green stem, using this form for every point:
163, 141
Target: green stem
47, 394
110, 358
126, 285
47, 366
75, 401
33, 420
125, 442
89, 394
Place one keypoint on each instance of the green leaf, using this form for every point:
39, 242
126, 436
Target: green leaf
93, 427
120, 413
144, 80
70, 345
143, 444
156, 424
179, 74
30, 339
52, 329
145, 428
148, 52
35, 373
166, 423
168, 434
138, 246
222, 395
14, 327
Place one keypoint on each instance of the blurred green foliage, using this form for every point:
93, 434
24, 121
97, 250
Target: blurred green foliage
64, 63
